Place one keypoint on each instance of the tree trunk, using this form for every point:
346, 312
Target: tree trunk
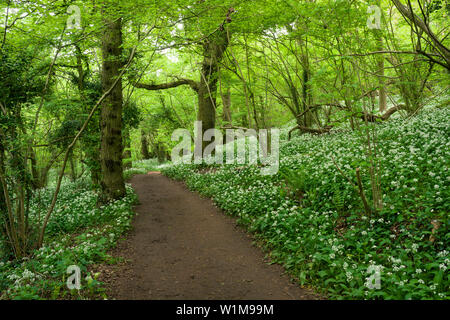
382, 103
213, 51
161, 153
73, 168
2, 169
382, 90
437, 46
305, 97
127, 152
43, 176
226, 101
112, 182
144, 146
34, 170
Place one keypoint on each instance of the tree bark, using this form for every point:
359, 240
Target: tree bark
34, 170
226, 101
144, 146
161, 153
382, 92
73, 168
112, 182
439, 48
169, 85
127, 152
2, 169
213, 50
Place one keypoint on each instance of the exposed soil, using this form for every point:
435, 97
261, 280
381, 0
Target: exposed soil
183, 247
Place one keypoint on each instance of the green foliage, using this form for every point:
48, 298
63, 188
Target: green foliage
79, 233
132, 116
294, 179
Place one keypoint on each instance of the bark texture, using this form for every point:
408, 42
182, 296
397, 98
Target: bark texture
127, 155
213, 50
144, 146
2, 169
112, 182
439, 49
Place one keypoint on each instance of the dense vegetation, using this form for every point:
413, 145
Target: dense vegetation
80, 233
312, 220
92, 92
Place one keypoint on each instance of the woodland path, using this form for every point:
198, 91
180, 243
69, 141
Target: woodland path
183, 247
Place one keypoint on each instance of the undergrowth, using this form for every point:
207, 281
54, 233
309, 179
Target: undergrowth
312, 219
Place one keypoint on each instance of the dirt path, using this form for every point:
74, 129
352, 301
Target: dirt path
183, 247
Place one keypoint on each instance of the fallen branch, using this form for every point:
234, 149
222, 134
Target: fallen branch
310, 130
363, 115
169, 85
374, 118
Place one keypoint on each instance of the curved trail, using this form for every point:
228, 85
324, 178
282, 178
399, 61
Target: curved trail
183, 247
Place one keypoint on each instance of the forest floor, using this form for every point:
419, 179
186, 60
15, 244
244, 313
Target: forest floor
183, 247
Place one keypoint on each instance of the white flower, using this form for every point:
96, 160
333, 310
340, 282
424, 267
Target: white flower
349, 275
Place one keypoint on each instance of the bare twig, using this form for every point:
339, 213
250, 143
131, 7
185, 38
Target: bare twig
361, 192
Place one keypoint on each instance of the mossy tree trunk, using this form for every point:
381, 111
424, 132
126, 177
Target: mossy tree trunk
2, 169
144, 146
112, 182
213, 51
226, 101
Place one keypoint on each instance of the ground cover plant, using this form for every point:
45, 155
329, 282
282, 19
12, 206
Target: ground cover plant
80, 233
313, 221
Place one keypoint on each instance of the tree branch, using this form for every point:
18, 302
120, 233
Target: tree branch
193, 84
